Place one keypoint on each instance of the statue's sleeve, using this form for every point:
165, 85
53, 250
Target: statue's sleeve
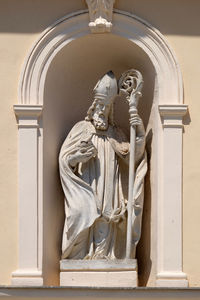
80, 203
138, 199
118, 141
121, 145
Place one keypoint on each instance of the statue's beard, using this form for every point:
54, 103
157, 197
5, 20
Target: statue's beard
100, 121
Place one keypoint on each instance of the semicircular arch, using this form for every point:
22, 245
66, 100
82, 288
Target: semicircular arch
169, 87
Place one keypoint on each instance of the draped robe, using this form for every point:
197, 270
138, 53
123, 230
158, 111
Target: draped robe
95, 198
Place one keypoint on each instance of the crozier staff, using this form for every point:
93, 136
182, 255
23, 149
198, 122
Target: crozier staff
91, 176
130, 84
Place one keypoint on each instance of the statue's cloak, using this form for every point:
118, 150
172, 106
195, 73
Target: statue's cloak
87, 187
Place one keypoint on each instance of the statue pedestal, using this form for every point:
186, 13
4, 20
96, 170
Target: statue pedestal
98, 273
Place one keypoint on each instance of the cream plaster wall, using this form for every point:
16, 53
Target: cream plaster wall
190, 66
21, 22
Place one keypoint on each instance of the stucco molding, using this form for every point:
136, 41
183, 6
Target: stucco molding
100, 12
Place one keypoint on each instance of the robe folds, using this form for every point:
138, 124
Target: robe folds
95, 198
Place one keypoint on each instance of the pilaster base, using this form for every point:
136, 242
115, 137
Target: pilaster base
168, 279
27, 278
99, 273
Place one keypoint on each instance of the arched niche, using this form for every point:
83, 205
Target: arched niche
54, 93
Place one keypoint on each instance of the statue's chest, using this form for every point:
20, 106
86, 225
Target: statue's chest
105, 152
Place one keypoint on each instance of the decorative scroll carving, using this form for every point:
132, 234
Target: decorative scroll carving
100, 12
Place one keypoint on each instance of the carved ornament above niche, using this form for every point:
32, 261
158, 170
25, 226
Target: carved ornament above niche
100, 12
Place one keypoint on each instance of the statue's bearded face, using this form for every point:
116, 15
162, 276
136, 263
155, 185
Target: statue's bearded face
100, 115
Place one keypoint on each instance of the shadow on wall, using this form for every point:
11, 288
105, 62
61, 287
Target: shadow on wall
28, 16
67, 97
144, 246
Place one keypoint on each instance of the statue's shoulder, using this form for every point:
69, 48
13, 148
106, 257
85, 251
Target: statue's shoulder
81, 128
80, 125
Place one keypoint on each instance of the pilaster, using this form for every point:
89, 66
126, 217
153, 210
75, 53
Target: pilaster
169, 231
29, 270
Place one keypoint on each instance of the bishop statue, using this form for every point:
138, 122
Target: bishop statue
91, 169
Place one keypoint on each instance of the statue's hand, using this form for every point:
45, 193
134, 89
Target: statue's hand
135, 120
85, 151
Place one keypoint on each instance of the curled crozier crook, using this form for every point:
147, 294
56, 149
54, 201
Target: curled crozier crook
130, 84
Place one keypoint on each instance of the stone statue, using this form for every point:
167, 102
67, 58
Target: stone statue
91, 161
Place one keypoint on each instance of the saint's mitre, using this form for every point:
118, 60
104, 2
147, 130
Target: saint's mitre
106, 88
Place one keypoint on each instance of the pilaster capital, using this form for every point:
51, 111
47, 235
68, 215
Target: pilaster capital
27, 115
172, 115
